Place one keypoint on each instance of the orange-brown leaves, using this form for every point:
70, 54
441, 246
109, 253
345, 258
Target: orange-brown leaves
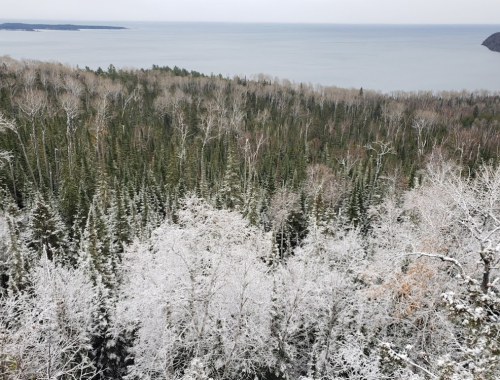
408, 291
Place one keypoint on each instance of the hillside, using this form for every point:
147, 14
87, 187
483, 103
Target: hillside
493, 42
164, 224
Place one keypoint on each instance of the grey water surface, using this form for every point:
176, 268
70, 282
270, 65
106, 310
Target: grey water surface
380, 57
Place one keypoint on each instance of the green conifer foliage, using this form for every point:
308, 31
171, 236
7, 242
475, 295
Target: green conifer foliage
230, 192
46, 231
18, 259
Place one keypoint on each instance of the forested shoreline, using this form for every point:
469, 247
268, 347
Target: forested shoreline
165, 224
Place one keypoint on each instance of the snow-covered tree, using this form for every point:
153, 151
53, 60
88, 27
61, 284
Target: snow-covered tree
456, 222
46, 230
207, 295
46, 331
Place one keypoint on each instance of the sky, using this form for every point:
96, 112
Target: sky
281, 11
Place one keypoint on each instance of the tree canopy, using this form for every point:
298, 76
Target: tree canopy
165, 224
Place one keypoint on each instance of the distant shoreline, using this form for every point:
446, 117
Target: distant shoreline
65, 27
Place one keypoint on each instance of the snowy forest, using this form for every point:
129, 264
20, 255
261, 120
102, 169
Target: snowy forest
164, 224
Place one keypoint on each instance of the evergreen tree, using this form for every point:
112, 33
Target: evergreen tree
46, 230
119, 227
18, 258
250, 210
100, 260
230, 192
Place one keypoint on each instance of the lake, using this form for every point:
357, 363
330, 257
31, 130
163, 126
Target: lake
379, 57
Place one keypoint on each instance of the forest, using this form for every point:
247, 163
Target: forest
165, 224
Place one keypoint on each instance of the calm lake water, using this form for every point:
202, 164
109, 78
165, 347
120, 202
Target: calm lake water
379, 57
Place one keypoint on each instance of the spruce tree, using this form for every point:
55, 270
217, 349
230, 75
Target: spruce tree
19, 259
46, 230
230, 191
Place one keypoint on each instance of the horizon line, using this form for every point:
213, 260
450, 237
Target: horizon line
2, 19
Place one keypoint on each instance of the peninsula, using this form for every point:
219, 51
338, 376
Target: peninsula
70, 27
493, 42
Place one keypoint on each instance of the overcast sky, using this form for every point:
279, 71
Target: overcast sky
302, 11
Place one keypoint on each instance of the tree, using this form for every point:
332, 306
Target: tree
10, 125
46, 231
32, 103
423, 123
46, 331
469, 233
207, 296
284, 205
71, 106
230, 191
16, 258
381, 150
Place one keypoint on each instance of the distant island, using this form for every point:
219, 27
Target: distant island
33, 27
493, 42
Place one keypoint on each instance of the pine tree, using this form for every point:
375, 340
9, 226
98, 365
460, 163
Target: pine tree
230, 191
79, 221
95, 252
46, 230
250, 211
100, 259
119, 227
263, 211
68, 200
19, 259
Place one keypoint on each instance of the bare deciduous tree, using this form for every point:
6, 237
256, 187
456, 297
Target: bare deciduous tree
10, 125
32, 104
70, 103
423, 122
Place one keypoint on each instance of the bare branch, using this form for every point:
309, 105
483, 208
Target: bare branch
442, 258
6, 124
